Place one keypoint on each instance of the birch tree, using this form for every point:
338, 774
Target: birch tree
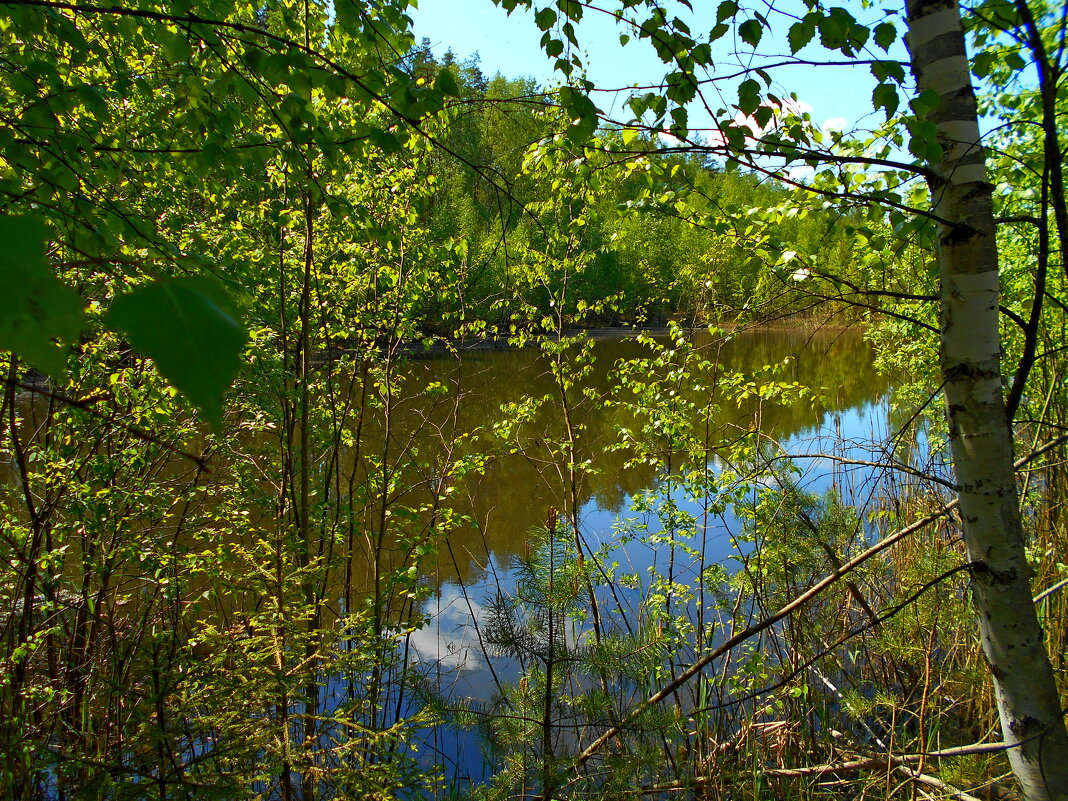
980, 434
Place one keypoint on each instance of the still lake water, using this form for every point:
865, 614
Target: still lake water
845, 414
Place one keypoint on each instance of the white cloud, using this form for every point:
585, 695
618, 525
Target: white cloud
786, 107
801, 173
449, 639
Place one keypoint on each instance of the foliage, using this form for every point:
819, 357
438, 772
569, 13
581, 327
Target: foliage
267, 209
572, 678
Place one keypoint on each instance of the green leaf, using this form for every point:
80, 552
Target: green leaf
93, 100
927, 101
175, 46
718, 31
887, 70
1014, 61
569, 32
702, 54
385, 140
885, 35
726, 10
923, 140
679, 122
885, 96
1000, 13
751, 30
36, 308
446, 82
982, 62
748, 96
347, 13
833, 28
545, 18
801, 33
736, 135
858, 37
572, 8
189, 328
583, 115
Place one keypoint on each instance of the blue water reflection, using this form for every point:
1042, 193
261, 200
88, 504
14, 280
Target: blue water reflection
844, 450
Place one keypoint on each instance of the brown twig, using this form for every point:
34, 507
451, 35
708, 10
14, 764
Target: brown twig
87, 404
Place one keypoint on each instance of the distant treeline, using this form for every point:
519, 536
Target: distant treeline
678, 238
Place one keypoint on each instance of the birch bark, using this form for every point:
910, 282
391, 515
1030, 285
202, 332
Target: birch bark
981, 439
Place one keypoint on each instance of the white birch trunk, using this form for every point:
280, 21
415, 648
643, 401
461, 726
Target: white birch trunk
980, 435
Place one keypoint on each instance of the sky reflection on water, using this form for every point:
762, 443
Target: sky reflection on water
451, 647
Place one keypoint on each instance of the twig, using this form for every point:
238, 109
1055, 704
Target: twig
87, 404
750, 631
756, 628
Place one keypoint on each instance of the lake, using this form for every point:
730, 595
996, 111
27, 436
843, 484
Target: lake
609, 457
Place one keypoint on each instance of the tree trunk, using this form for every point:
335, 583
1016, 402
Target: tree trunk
980, 434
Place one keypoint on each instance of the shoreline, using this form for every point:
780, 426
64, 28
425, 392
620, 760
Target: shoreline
441, 347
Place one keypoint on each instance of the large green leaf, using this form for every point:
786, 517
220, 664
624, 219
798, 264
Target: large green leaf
446, 82
885, 96
36, 308
885, 35
751, 31
748, 96
545, 18
583, 114
801, 33
189, 328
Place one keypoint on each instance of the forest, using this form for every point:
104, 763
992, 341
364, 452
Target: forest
379, 425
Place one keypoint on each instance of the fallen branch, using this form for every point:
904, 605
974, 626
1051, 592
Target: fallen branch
934, 782
881, 763
884, 761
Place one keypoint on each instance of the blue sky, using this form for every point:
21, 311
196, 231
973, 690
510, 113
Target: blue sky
839, 95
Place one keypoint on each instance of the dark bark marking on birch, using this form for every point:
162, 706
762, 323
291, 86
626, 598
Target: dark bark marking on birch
959, 234
979, 190
966, 370
1025, 726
